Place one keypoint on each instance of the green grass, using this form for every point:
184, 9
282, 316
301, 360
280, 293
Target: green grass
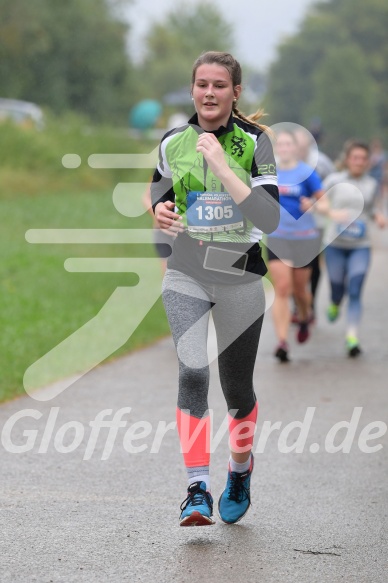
31, 160
41, 303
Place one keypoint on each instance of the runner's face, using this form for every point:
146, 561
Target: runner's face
213, 94
303, 142
357, 161
286, 149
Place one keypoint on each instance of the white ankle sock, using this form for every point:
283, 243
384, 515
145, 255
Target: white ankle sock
240, 467
199, 474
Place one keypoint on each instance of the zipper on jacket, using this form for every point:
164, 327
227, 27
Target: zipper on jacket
205, 169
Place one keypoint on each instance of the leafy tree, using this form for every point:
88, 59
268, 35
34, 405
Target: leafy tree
174, 44
289, 81
67, 55
356, 31
343, 74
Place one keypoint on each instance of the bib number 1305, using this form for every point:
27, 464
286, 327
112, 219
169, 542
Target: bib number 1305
217, 212
212, 212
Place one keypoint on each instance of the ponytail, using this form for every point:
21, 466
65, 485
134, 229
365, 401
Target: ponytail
252, 119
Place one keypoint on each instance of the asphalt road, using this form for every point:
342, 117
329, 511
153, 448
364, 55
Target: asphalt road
316, 517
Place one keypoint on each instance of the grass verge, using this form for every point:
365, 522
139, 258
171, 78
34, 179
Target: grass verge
42, 304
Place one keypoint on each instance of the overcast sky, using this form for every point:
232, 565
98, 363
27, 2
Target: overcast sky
259, 24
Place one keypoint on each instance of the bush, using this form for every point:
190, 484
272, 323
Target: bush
31, 159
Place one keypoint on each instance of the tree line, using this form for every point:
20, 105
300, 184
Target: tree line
66, 55
335, 69
74, 55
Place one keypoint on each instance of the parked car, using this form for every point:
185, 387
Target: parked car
23, 113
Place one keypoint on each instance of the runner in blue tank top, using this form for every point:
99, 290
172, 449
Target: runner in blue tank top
294, 244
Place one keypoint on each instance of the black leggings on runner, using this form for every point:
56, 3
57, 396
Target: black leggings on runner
237, 312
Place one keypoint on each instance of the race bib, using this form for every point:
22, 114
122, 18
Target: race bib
212, 212
355, 230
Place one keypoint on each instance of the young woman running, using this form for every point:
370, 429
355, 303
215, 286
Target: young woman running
215, 180
295, 243
348, 256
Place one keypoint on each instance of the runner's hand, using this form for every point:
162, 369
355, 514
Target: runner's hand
380, 220
306, 203
210, 147
169, 221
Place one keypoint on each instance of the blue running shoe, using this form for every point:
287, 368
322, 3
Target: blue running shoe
197, 508
235, 499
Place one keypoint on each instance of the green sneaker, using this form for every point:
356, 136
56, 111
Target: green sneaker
352, 346
332, 312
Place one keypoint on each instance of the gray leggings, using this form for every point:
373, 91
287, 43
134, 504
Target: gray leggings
237, 312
